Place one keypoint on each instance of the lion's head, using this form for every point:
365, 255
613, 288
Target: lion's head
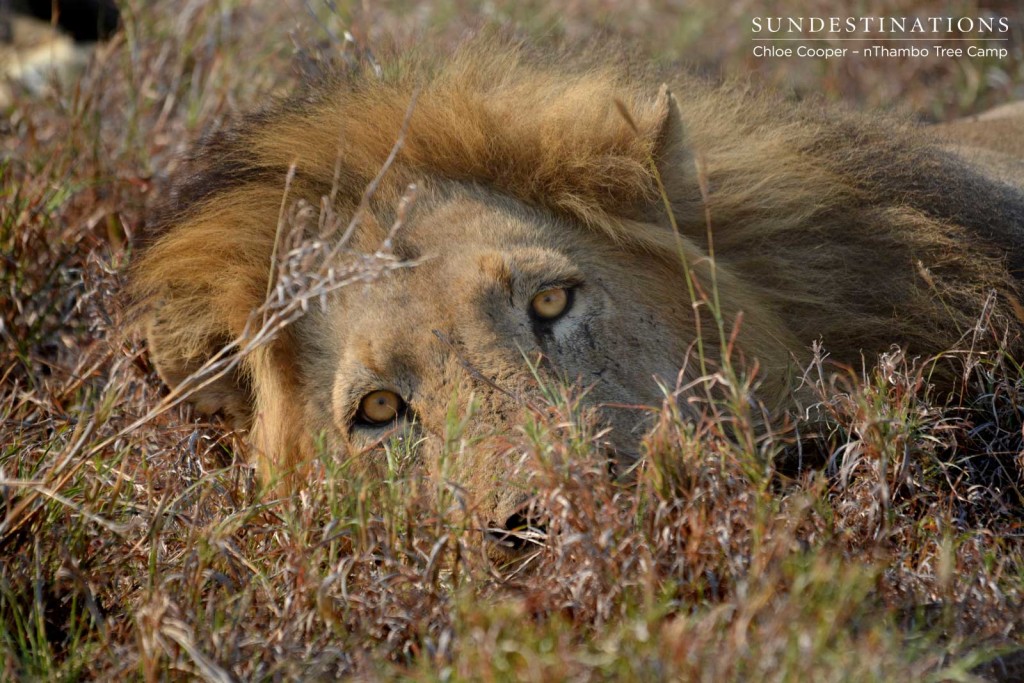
562, 227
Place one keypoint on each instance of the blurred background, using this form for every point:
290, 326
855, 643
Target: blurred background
708, 36
715, 38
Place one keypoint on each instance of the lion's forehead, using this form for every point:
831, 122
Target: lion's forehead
445, 294
458, 252
457, 217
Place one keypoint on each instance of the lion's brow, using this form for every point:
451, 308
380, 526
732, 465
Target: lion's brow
496, 267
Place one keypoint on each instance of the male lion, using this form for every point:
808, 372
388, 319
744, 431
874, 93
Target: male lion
540, 228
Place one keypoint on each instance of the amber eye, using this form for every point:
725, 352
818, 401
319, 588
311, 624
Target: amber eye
550, 303
379, 407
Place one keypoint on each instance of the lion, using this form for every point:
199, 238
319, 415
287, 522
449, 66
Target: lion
568, 214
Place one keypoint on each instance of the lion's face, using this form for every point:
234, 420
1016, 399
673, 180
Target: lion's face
500, 294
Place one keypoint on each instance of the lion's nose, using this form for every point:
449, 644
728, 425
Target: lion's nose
523, 530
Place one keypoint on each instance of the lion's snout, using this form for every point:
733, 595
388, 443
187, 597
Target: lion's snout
522, 531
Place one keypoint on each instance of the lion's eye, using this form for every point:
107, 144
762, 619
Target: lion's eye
550, 303
379, 407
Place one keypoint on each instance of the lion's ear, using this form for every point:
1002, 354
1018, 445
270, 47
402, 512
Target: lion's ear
673, 161
670, 144
673, 157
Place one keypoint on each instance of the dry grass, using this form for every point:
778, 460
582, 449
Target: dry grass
149, 553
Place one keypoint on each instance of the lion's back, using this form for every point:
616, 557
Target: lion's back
992, 141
